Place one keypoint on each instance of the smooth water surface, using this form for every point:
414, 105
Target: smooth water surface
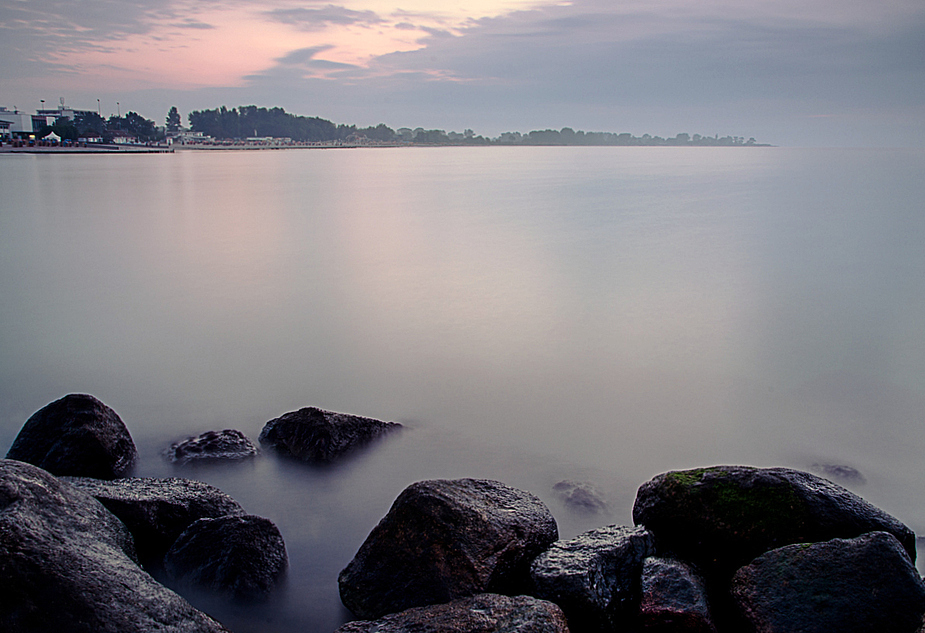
531, 314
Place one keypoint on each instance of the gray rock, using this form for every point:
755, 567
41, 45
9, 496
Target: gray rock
594, 577
241, 557
156, 511
483, 613
318, 436
212, 446
674, 599
580, 497
66, 565
77, 435
856, 585
840, 472
447, 539
721, 518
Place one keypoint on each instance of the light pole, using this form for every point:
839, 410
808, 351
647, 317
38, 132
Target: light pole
118, 110
99, 112
43, 103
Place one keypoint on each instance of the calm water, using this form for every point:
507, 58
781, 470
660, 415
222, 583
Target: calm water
531, 314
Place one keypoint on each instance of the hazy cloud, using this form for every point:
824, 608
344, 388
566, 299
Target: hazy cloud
316, 19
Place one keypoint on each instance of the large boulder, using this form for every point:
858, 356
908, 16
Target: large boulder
156, 511
855, 585
318, 436
720, 518
212, 446
66, 564
484, 613
240, 557
447, 539
594, 577
77, 435
674, 599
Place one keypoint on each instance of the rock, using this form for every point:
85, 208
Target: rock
856, 585
838, 472
674, 599
483, 613
581, 497
77, 435
315, 435
66, 565
227, 445
594, 577
721, 518
156, 511
447, 539
241, 557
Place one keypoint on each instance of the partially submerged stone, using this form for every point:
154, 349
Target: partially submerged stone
674, 599
580, 497
156, 511
594, 577
241, 557
483, 613
77, 435
857, 585
721, 518
66, 564
318, 436
212, 446
446, 539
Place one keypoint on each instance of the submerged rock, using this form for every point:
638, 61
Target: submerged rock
580, 497
840, 472
674, 599
66, 564
77, 435
156, 511
227, 445
446, 539
483, 613
856, 585
721, 518
242, 557
594, 577
315, 435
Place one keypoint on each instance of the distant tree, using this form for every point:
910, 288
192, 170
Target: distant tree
63, 127
174, 122
381, 132
90, 124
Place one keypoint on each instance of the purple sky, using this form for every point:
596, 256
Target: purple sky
787, 72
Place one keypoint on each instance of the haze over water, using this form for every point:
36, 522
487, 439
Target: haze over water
531, 314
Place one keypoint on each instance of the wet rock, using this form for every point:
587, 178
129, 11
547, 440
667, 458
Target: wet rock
580, 497
674, 599
315, 435
156, 511
594, 577
721, 518
839, 472
212, 446
447, 539
66, 565
483, 613
77, 435
847, 585
241, 557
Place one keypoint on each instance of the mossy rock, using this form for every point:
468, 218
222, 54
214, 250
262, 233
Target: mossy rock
722, 517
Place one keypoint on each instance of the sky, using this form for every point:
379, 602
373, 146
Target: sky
838, 73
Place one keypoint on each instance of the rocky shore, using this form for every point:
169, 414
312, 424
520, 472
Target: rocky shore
724, 549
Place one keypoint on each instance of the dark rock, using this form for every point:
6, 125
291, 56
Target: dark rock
674, 599
857, 585
839, 472
77, 435
483, 613
241, 557
156, 511
721, 518
315, 435
227, 445
447, 539
594, 577
66, 565
581, 497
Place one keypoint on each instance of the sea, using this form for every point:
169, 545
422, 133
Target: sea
534, 315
